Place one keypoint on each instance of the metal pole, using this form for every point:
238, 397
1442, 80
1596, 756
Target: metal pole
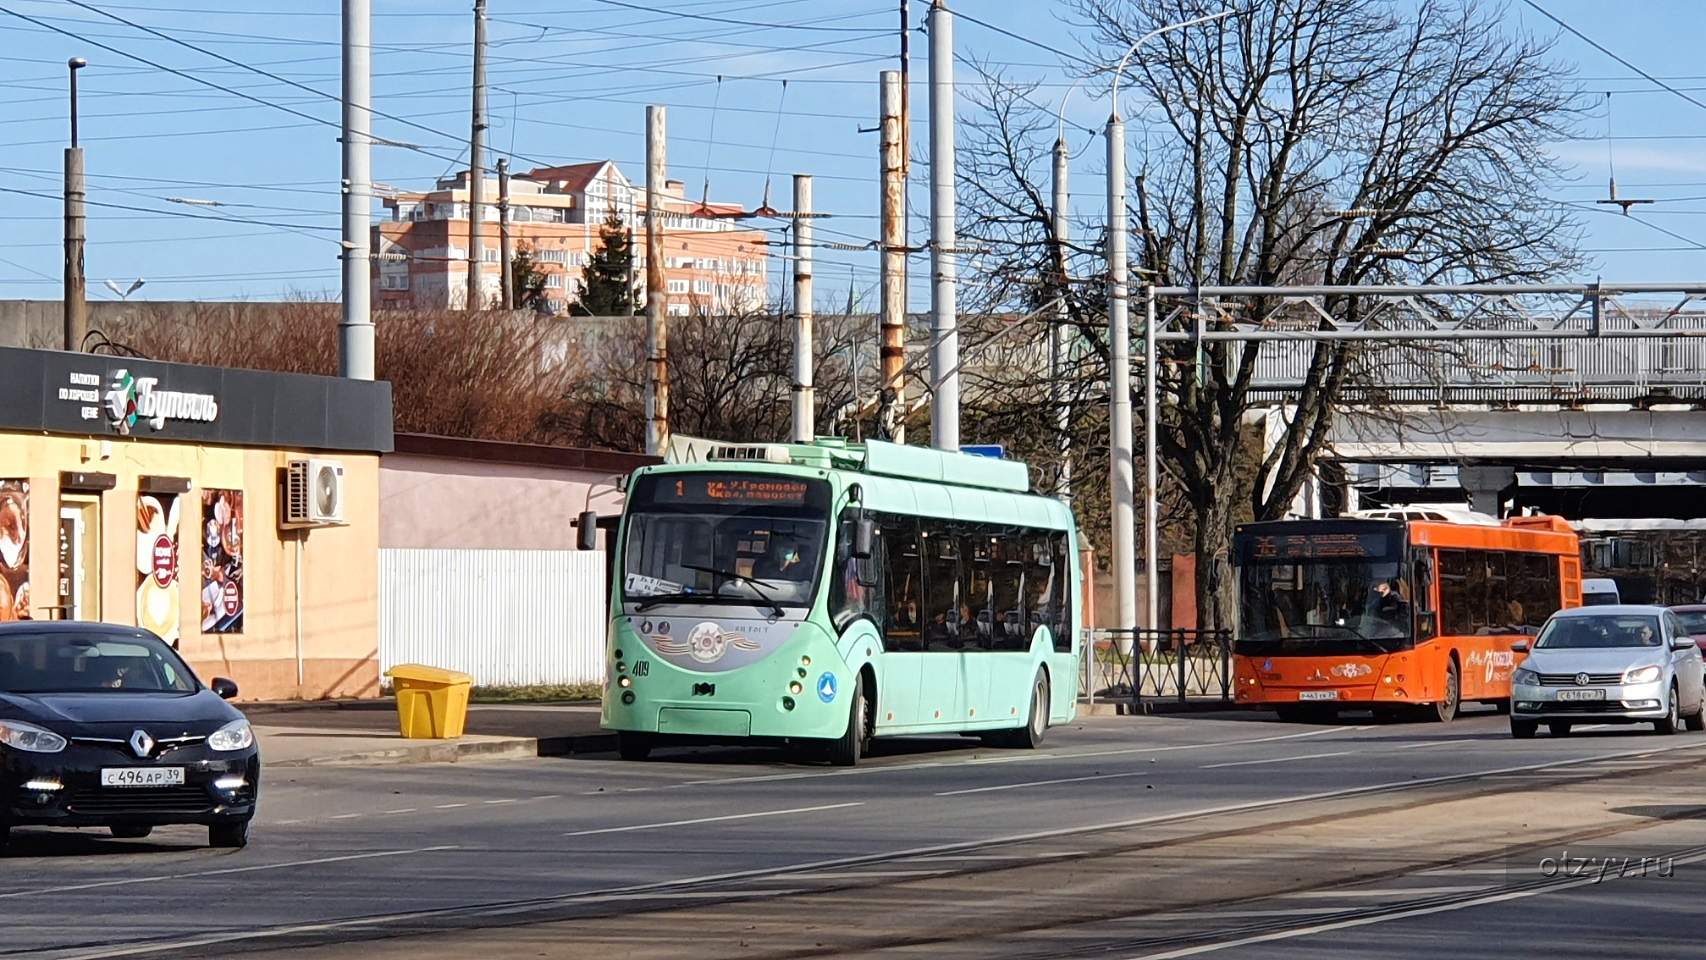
477, 165
1120, 480
1061, 342
75, 306
505, 252
355, 329
944, 375
893, 205
803, 394
657, 306
1151, 469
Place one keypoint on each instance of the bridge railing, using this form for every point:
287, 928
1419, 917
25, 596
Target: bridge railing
1142, 668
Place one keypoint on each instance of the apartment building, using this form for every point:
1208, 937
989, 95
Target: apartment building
714, 262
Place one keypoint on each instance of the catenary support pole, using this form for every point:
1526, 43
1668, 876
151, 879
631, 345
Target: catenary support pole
1120, 477
1061, 342
75, 294
657, 305
477, 166
1151, 469
506, 252
804, 406
892, 168
944, 322
355, 330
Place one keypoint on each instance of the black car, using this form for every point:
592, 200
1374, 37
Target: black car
106, 726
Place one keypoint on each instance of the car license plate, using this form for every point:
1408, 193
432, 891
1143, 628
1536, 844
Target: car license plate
142, 776
1318, 695
1581, 694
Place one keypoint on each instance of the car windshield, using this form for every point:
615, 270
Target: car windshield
90, 663
725, 538
1602, 631
1323, 607
1693, 622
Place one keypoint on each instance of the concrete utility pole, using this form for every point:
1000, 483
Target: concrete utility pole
1121, 483
944, 358
76, 305
1151, 468
505, 253
355, 330
1060, 352
657, 306
804, 399
477, 164
893, 233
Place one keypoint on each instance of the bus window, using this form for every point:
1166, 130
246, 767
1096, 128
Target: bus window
1539, 592
903, 568
1060, 625
851, 591
977, 631
1454, 600
943, 605
1475, 594
1498, 610
1007, 577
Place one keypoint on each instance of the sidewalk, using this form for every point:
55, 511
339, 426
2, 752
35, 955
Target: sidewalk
364, 732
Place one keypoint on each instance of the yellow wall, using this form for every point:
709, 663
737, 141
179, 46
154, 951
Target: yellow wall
339, 565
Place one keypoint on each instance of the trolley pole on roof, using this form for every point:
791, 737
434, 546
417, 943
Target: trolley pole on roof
944, 365
804, 405
657, 307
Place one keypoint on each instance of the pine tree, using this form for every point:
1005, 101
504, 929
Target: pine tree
528, 279
605, 289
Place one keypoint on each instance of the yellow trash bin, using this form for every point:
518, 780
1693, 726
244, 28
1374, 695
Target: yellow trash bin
432, 704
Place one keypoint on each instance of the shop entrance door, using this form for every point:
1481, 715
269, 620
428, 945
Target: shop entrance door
79, 558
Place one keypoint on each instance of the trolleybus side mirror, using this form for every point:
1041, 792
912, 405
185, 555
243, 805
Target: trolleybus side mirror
864, 537
588, 531
1521, 646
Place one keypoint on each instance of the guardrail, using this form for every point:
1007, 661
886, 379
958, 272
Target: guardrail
1143, 668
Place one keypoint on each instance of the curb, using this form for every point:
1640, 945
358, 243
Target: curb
508, 748
1154, 707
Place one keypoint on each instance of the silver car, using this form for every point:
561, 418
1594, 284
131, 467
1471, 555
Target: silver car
1609, 664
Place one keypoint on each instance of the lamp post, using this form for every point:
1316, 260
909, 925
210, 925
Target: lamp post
75, 297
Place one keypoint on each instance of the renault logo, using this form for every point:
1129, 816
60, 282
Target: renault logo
142, 743
1581, 679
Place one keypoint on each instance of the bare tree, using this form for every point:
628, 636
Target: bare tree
1431, 119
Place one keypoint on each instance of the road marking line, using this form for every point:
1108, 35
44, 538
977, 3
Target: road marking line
698, 820
863, 874
1430, 743
494, 803
449, 806
1467, 872
548, 796
400, 810
345, 816
979, 761
1252, 763
131, 881
1336, 925
1382, 892
287, 823
1043, 783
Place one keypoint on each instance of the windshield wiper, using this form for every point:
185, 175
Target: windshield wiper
655, 599
756, 586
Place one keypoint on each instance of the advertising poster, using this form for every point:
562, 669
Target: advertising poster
222, 561
157, 564
14, 550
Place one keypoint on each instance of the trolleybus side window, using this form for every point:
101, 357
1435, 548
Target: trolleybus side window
1007, 575
854, 591
946, 606
903, 572
1060, 623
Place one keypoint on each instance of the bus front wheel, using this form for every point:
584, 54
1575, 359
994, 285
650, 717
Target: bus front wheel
1446, 708
846, 751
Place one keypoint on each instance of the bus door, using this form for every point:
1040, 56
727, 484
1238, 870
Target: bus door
900, 670
949, 623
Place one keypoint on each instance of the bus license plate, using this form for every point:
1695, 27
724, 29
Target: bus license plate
1581, 694
142, 776
1318, 695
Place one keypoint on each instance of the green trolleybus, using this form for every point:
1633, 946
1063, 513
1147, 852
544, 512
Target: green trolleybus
831, 593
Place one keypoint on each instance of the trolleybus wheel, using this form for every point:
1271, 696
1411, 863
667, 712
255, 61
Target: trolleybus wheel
633, 746
1030, 736
846, 751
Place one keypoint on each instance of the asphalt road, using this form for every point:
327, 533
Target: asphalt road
475, 853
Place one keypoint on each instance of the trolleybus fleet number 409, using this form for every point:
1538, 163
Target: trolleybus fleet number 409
1393, 614
827, 593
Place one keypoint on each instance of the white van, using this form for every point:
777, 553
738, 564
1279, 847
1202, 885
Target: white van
1600, 592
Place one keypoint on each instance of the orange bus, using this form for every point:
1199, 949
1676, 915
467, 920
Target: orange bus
1399, 613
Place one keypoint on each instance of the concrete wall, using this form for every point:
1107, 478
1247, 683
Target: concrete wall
444, 502
314, 591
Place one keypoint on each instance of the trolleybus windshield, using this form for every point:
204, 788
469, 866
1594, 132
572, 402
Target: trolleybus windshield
724, 538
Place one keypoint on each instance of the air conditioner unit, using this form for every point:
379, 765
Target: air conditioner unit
313, 493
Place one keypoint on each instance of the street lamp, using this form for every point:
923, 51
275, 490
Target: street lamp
124, 293
73, 296
1121, 479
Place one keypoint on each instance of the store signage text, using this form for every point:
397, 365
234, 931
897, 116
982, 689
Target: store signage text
129, 400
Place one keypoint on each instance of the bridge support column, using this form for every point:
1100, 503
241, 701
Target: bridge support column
1486, 487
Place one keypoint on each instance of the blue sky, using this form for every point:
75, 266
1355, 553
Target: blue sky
570, 80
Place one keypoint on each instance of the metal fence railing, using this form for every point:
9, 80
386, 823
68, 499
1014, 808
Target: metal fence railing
1141, 668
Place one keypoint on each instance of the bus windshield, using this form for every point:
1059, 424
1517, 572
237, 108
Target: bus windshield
724, 538
1323, 607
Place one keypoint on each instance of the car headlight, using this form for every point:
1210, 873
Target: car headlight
1645, 674
1525, 677
236, 735
30, 738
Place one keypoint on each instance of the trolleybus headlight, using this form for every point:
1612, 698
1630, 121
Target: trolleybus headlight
1646, 674
795, 687
624, 682
805, 661
787, 703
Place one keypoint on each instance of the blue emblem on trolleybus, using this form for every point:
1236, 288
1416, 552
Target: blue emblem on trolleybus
826, 687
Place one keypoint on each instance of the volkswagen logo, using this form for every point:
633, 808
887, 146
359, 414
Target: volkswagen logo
1581, 679
142, 743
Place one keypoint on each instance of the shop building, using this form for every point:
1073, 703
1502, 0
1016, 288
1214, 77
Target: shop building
233, 512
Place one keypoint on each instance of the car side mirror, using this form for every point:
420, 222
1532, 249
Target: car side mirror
1682, 643
225, 689
588, 531
1521, 646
